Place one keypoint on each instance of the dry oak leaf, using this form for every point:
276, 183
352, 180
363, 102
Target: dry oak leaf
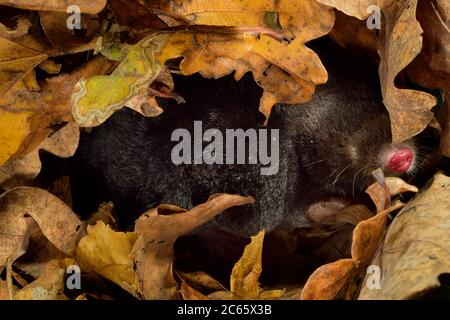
400, 42
416, 248
16, 61
19, 171
326, 282
215, 53
213, 56
25, 209
368, 234
294, 68
381, 194
108, 253
158, 229
86, 6
301, 19
329, 280
26, 117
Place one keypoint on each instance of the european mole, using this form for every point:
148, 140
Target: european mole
327, 147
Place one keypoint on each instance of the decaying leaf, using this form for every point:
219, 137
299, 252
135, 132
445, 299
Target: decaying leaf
24, 210
368, 234
328, 280
400, 42
380, 194
96, 99
153, 251
15, 74
415, 250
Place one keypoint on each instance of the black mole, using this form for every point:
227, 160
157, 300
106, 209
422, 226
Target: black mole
327, 147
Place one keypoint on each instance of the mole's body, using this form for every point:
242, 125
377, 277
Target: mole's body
327, 147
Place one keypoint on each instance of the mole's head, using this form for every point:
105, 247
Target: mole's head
352, 147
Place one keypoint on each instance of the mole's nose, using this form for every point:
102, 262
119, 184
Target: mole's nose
400, 161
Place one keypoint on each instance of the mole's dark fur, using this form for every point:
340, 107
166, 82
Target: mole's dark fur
328, 147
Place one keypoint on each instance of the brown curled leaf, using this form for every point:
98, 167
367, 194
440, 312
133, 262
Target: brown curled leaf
23, 210
158, 229
326, 282
400, 43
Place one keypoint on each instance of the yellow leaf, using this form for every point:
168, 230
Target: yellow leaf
244, 277
21, 171
14, 128
107, 253
95, 99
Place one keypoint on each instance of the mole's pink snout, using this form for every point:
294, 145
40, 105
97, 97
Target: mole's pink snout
401, 160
